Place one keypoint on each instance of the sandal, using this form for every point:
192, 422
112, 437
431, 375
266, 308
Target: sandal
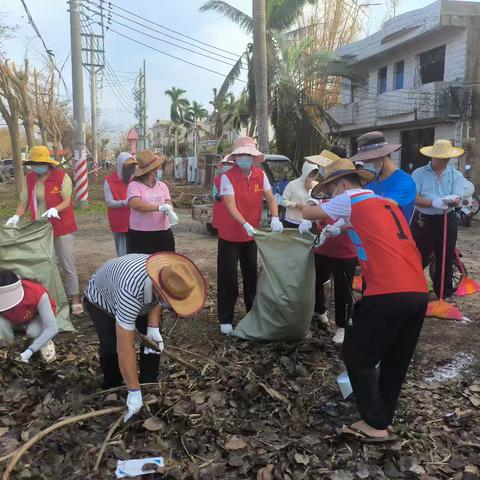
77, 309
364, 438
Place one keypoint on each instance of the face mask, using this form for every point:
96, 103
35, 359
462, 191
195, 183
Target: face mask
159, 174
226, 168
245, 163
40, 169
371, 168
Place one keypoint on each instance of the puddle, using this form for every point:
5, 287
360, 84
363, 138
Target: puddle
460, 363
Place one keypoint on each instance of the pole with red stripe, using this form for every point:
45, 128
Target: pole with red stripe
81, 177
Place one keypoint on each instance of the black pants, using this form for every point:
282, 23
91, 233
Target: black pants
427, 230
105, 328
385, 330
229, 254
343, 272
151, 242
287, 224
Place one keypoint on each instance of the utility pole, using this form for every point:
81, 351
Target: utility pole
81, 177
142, 109
260, 72
93, 102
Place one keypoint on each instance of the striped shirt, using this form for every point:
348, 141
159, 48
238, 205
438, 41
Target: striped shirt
123, 289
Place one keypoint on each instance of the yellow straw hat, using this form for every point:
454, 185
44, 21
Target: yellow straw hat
325, 158
442, 149
146, 162
178, 281
40, 154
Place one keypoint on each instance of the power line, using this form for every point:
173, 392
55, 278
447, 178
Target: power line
110, 21
169, 29
162, 33
172, 56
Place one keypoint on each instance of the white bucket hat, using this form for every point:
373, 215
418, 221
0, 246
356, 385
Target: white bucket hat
11, 295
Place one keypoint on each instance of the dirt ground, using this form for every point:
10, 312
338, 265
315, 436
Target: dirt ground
247, 410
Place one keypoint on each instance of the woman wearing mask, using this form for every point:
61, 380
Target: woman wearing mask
219, 206
115, 190
151, 208
243, 189
26, 304
47, 193
297, 192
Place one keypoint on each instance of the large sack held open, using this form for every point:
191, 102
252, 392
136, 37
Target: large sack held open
28, 250
285, 300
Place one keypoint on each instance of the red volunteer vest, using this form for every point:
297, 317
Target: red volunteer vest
27, 309
386, 250
249, 200
53, 197
219, 209
118, 218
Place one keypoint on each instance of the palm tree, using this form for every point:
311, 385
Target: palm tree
280, 15
177, 109
195, 113
297, 117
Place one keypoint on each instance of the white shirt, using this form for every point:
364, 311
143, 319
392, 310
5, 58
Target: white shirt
341, 205
226, 187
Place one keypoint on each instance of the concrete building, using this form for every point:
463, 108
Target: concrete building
422, 82
159, 134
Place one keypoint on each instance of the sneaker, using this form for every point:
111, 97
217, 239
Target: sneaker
226, 328
339, 336
47, 352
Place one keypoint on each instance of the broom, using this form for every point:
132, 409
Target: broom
441, 308
467, 286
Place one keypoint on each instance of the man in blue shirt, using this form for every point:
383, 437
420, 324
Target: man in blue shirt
390, 181
439, 188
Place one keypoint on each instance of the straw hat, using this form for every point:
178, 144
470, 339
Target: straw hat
146, 162
339, 169
246, 146
11, 295
325, 158
178, 281
40, 154
442, 149
372, 145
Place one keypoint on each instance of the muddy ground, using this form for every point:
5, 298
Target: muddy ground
241, 410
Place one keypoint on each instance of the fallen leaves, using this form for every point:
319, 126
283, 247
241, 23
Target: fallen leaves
235, 443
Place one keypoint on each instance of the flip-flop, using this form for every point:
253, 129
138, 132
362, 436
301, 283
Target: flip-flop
364, 438
77, 309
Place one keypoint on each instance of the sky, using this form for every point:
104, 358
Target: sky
125, 57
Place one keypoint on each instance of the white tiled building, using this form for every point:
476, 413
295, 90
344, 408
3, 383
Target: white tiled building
420, 73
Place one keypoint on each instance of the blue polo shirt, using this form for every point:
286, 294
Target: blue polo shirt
400, 187
431, 185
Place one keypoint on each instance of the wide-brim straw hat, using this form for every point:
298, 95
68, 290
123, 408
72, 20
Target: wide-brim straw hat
146, 162
246, 146
11, 295
325, 158
372, 145
40, 154
442, 149
178, 281
340, 169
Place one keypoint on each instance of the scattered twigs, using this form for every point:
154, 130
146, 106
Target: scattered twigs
105, 442
17, 454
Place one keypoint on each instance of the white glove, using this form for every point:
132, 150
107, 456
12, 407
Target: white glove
165, 208
13, 221
439, 203
134, 403
450, 199
25, 356
331, 231
305, 226
51, 213
153, 333
276, 225
249, 229
172, 217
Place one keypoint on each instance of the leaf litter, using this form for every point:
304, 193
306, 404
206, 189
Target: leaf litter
250, 412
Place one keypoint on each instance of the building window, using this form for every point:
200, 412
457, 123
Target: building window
398, 75
432, 65
382, 80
